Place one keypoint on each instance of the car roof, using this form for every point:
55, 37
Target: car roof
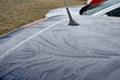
93, 9
46, 50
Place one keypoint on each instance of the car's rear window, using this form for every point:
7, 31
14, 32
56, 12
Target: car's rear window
115, 12
101, 6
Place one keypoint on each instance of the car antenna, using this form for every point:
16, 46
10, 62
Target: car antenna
72, 21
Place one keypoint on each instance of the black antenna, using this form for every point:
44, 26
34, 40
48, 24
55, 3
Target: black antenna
72, 22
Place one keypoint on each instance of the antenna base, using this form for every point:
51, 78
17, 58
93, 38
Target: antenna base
73, 23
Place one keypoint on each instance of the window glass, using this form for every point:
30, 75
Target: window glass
101, 6
115, 12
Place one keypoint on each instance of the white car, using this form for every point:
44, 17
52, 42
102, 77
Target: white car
50, 49
107, 8
53, 50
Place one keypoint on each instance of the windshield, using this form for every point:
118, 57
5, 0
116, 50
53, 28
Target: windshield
93, 9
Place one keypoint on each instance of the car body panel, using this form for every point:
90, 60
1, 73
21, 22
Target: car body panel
89, 51
93, 2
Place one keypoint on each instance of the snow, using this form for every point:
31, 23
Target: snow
52, 50
62, 11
